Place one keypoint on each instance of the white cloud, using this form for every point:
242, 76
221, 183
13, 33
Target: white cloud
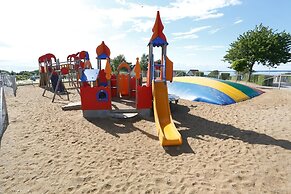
45, 26
117, 37
190, 34
35, 27
191, 54
196, 9
123, 2
238, 21
203, 48
213, 31
179, 9
142, 25
4, 44
192, 31
210, 16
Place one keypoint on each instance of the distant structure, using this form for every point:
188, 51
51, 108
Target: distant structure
192, 72
177, 73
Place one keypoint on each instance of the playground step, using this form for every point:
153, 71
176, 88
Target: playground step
72, 106
126, 100
123, 115
124, 111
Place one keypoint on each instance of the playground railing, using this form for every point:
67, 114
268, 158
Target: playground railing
5, 81
9, 81
282, 80
4, 114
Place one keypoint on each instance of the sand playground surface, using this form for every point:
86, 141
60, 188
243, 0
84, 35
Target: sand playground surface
239, 148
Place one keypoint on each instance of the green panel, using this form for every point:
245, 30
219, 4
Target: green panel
245, 89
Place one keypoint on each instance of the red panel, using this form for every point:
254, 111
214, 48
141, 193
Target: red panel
144, 97
89, 99
85, 84
65, 71
113, 92
42, 69
132, 83
132, 93
102, 77
113, 81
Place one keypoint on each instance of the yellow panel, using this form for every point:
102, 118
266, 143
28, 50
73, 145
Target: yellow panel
232, 92
168, 133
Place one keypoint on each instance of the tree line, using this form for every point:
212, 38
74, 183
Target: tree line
22, 75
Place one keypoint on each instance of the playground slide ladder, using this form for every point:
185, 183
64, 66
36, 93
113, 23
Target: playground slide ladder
167, 132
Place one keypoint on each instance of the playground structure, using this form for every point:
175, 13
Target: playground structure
213, 91
99, 88
53, 72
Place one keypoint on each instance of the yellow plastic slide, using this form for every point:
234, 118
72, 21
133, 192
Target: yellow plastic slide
168, 133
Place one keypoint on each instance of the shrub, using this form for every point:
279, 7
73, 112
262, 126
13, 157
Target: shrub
199, 73
225, 76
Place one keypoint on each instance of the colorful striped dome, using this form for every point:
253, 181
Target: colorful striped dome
210, 90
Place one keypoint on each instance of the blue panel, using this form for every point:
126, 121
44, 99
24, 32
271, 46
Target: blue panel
103, 84
194, 92
87, 56
102, 56
54, 80
158, 42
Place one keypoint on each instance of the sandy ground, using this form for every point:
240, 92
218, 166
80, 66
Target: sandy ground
240, 148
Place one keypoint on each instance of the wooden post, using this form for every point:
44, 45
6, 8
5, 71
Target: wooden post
280, 79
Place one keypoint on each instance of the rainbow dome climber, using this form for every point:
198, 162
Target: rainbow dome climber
213, 91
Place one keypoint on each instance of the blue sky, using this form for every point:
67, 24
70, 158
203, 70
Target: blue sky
198, 32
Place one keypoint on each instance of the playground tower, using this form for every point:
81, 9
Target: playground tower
157, 77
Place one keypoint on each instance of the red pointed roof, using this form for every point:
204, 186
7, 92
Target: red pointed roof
103, 49
158, 29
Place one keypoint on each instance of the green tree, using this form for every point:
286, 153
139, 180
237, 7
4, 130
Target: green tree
240, 66
115, 62
35, 72
213, 74
4, 71
144, 62
263, 46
